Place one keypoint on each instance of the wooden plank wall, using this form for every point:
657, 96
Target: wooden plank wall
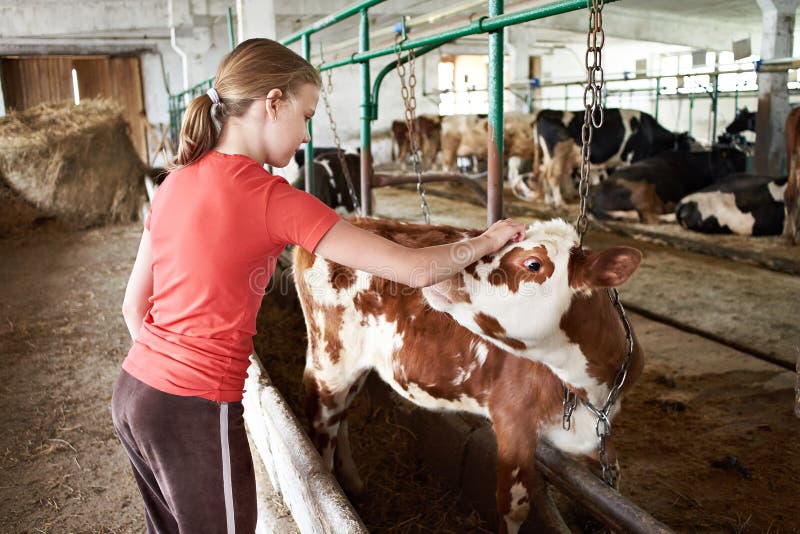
28, 81
118, 78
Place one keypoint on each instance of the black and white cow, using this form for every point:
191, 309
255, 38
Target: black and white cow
626, 136
300, 155
331, 184
744, 121
654, 186
741, 204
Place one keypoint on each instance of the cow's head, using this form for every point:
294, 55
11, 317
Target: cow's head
516, 297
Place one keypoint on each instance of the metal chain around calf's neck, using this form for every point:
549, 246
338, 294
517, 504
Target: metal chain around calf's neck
593, 118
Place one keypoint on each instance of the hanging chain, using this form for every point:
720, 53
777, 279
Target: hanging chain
603, 425
592, 103
593, 118
410, 103
327, 88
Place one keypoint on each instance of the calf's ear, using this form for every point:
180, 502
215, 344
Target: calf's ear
609, 268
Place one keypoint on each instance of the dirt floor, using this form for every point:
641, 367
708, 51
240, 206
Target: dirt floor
62, 339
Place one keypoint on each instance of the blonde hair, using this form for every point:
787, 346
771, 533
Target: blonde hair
247, 73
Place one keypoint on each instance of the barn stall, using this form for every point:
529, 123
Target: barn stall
666, 471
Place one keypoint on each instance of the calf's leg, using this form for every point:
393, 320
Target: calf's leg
519, 485
326, 407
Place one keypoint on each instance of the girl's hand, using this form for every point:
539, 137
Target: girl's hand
503, 232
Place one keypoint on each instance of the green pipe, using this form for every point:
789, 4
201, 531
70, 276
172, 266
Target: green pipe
691, 112
331, 19
231, 38
658, 94
376, 85
309, 165
530, 99
716, 108
736, 100
482, 25
366, 115
494, 186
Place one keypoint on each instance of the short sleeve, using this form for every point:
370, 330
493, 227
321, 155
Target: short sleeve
296, 217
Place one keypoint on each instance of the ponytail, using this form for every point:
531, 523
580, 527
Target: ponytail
248, 73
199, 132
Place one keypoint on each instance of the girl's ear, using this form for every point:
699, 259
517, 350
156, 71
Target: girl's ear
273, 99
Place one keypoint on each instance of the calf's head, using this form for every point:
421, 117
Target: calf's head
516, 297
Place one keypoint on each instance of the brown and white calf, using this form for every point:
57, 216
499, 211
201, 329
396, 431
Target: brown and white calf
498, 339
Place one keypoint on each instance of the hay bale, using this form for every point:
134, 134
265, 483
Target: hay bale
16, 214
74, 163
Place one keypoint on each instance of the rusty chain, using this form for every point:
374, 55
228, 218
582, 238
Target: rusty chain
593, 118
592, 104
410, 104
326, 89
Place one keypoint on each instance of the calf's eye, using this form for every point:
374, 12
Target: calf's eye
532, 264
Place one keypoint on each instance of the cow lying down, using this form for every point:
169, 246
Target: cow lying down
741, 204
499, 339
653, 187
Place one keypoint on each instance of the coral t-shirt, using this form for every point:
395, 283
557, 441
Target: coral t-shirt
217, 227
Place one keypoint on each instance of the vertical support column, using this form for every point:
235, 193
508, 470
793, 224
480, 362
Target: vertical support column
494, 186
773, 95
366, 117
309, 166
255, 18
518, 44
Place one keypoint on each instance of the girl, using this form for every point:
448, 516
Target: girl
217, 222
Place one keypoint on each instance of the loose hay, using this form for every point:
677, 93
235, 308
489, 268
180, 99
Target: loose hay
74, 163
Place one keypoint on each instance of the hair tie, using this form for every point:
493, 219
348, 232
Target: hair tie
212, 93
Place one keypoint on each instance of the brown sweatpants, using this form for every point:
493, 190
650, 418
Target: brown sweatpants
190, 458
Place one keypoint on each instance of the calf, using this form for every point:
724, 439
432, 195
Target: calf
791, 224
740, 204
467, 135
499, 339
626, 136
653, 187
330, 180
429, 139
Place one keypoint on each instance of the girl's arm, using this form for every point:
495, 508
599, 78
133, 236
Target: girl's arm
140, 287
415, 267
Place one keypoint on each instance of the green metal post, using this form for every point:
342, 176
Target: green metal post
366, 116
494, 185
716, 109
309, 165
566, 97
736, 100
691, 112
530, 98
658, 94
231, 38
